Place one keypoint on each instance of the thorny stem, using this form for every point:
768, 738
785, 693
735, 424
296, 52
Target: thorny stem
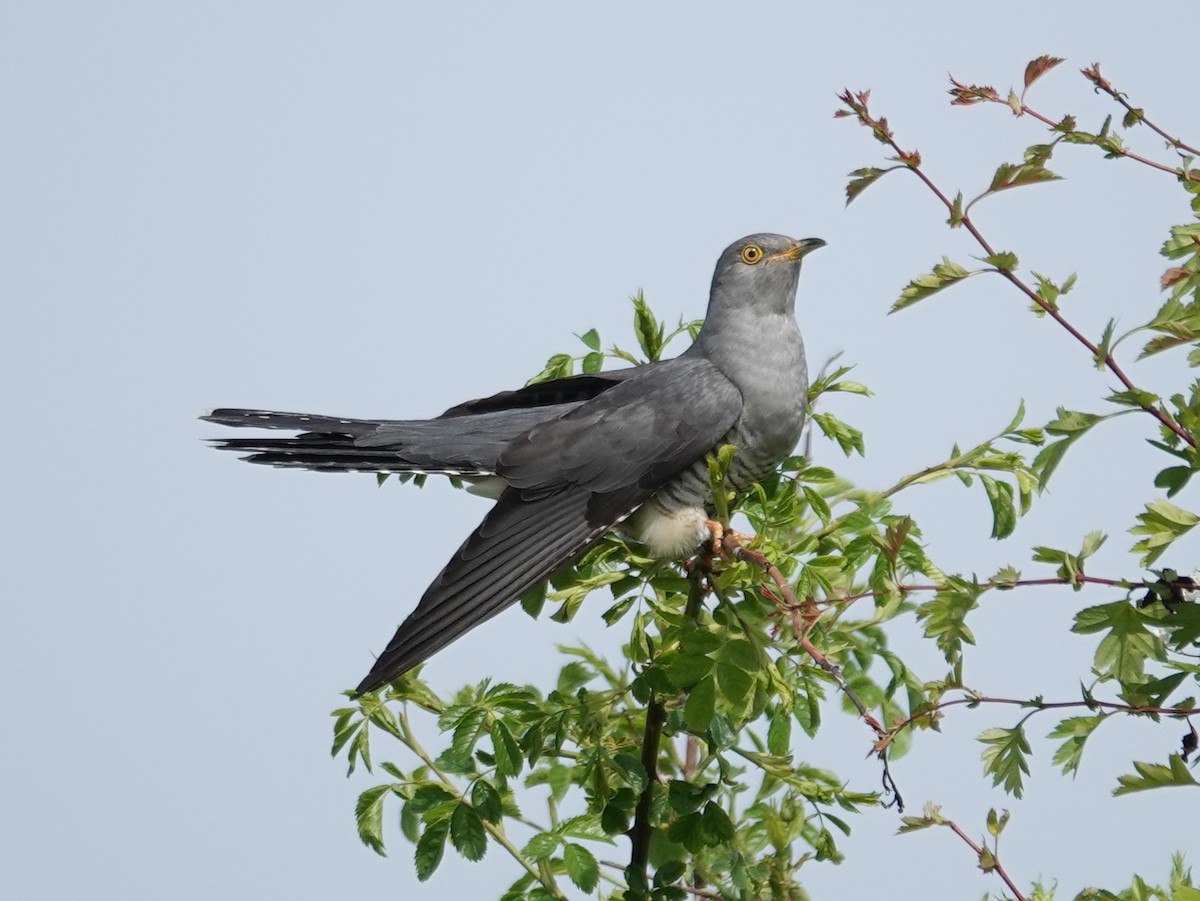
546, 879
797, 612
995, 859
857, 104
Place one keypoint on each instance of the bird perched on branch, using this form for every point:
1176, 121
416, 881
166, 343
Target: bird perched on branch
574, 457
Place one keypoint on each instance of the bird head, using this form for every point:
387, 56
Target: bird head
760, 271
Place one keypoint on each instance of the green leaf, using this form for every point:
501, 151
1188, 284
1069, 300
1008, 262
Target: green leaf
1005, 261
944, 274
1004, 757
368, 813
861, 179
466, 832
591, 338
1132, 639
996, 822
430, 847
629, 765
1071, 425
581, 867
779, 734
1155, 775
486, 801
944, 617
506, 749
685, 670
849, 439
1161, 523
541, 846
1004, 513
698, 709
1076, 730
647, 328
1015, 175
718, 827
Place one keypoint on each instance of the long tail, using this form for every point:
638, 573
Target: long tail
466, 445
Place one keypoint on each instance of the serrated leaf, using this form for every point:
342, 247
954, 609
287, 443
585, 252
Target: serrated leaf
486, 801
849, 439
430, 847
1076, 730
1072, 425
582, 867
1039, 67
1004, 758
944, 274
1131, 639
861, 179
1161, 523
506, 749
466, 832
1016, 175
1005, 261
541, 846
368, 814
591, 338
1155, 775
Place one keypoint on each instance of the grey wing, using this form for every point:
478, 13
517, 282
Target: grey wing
570, 480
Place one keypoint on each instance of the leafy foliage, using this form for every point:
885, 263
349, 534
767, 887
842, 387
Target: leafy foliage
686, 750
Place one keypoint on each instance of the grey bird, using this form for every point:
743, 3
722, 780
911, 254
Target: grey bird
574, 457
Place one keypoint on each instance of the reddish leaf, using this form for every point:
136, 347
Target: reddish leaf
1039, 67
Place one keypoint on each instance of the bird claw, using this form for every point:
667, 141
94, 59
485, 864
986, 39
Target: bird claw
719, 534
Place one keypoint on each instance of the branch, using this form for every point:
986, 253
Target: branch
993, 584
1092, 74
546, 879
993, 863
642, 831
974, 700
857, 104
802, 618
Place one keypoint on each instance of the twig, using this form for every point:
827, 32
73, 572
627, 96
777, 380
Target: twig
732, 547
1090, 704
994, 863
994, 584
857, 103
546, 879
1092, 74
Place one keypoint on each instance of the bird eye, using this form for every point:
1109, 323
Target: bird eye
751, 254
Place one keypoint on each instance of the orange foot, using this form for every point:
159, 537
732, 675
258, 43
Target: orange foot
718, 533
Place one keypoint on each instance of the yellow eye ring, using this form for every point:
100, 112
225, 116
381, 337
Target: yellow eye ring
751, 254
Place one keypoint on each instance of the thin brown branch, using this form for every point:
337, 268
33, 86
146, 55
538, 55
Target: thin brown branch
995, 862
1092, 74
1035, 705
992, 584
802, 616
857, 104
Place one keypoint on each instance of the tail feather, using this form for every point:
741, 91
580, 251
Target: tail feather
467, 445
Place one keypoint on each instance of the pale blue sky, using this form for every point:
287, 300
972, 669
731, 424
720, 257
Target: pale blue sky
382, 209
